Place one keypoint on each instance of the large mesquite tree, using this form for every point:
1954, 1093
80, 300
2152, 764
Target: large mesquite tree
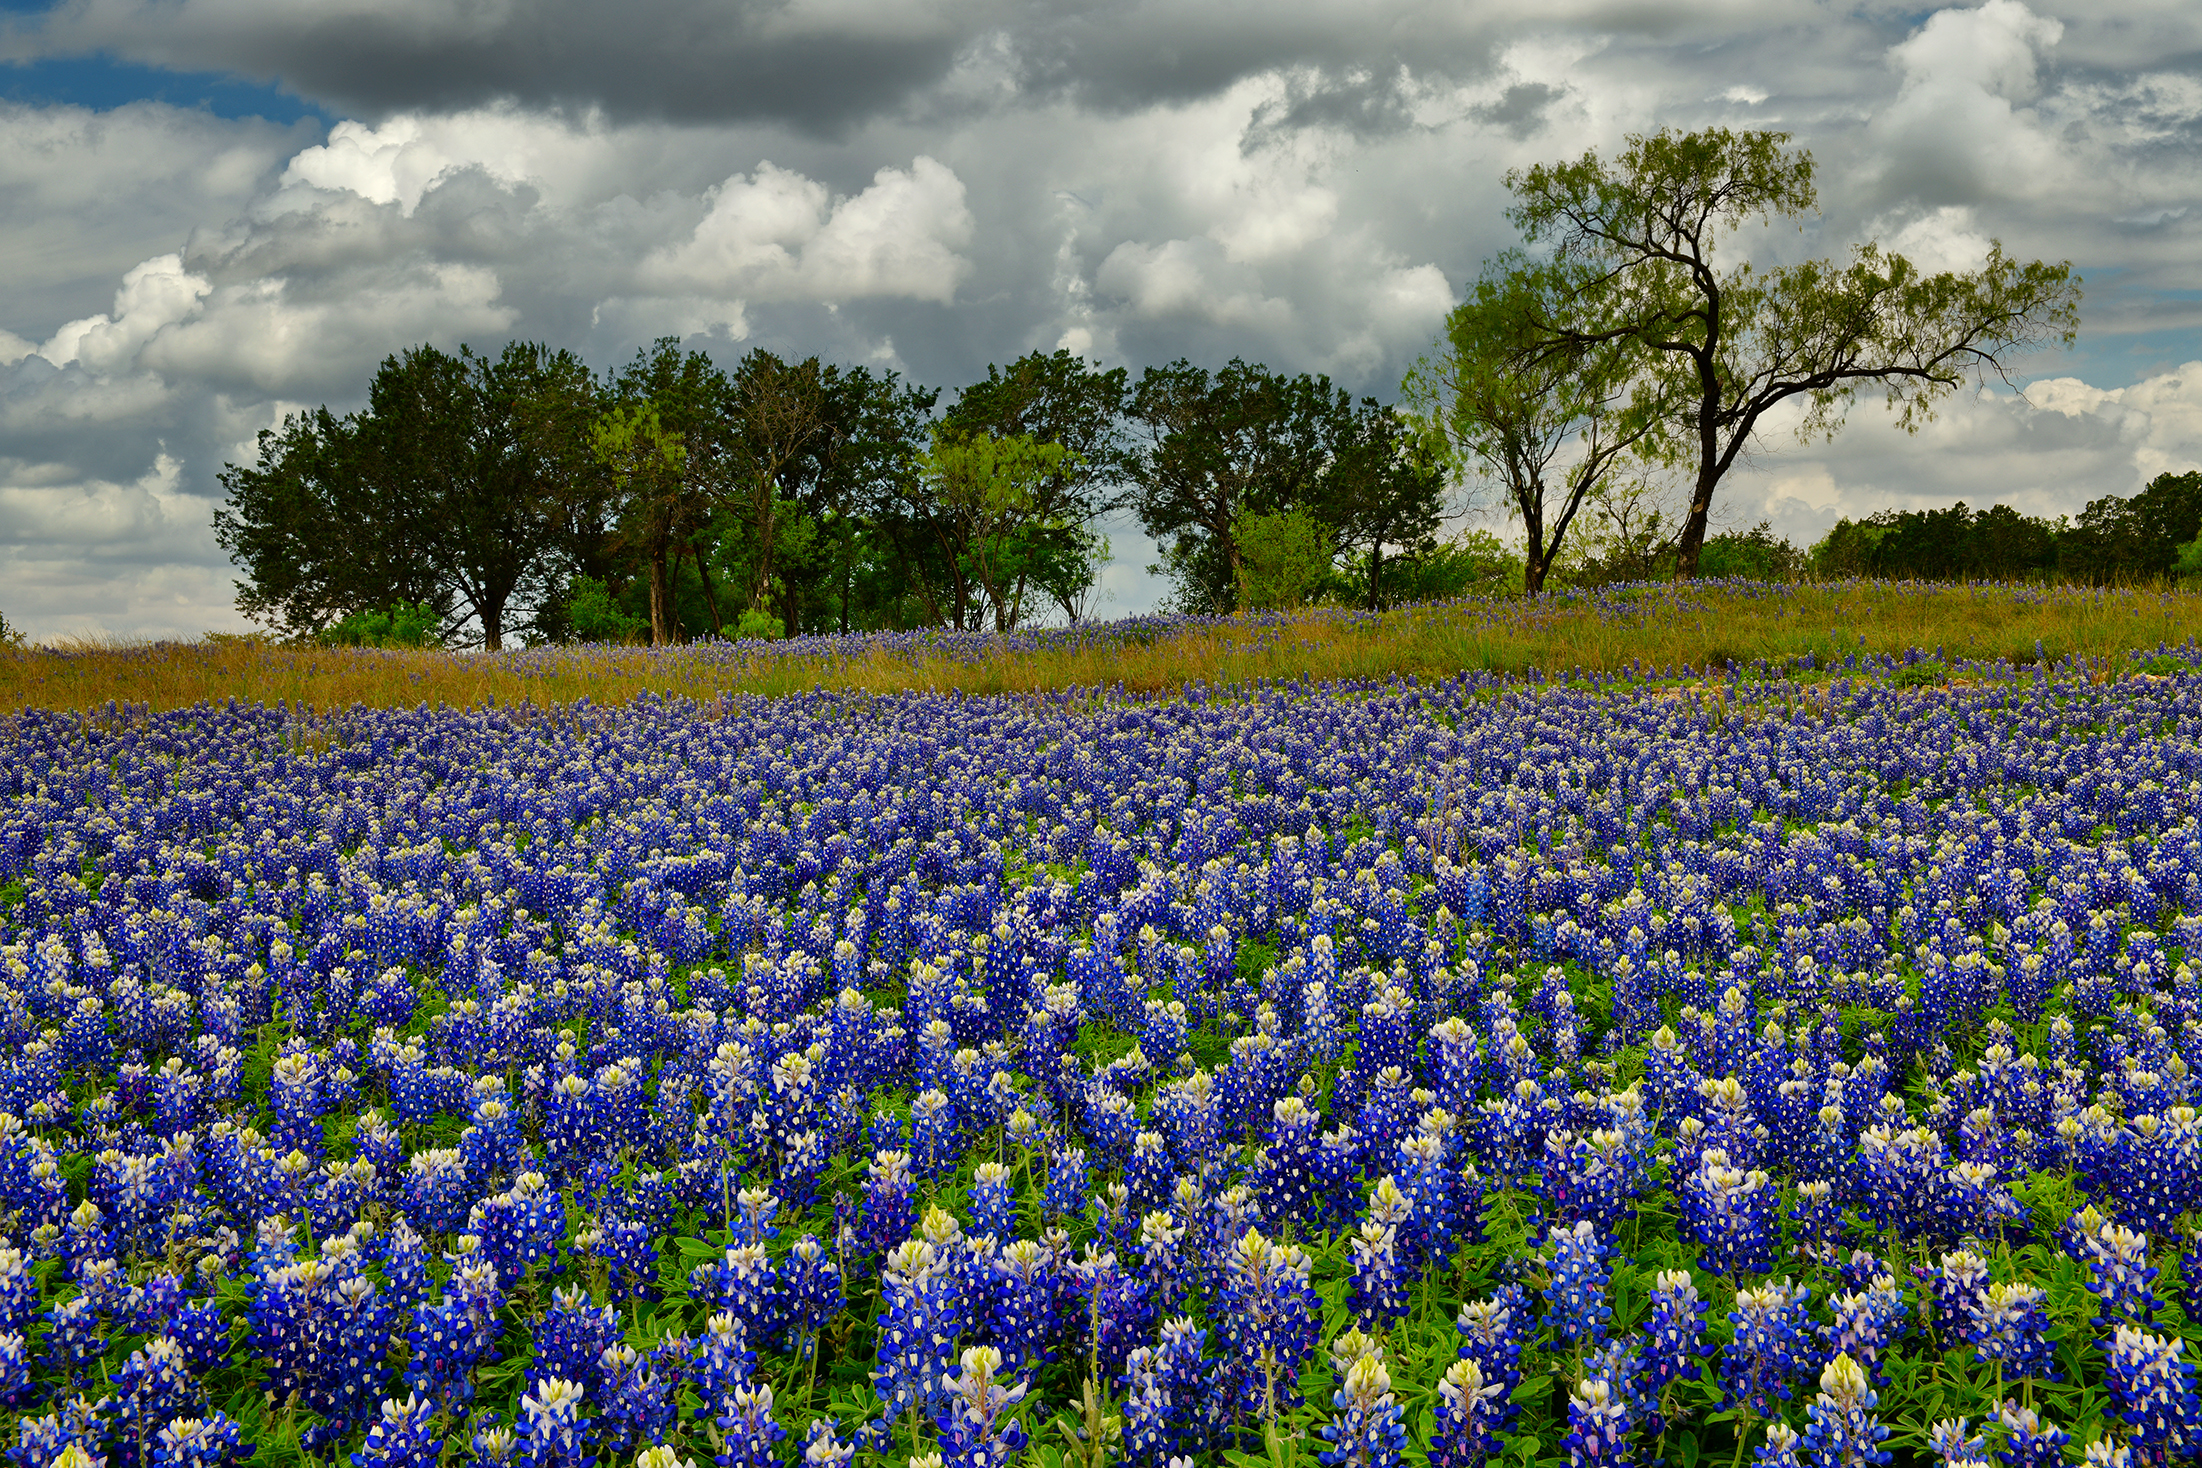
1650, 234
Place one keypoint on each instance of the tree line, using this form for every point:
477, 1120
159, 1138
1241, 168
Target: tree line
488, 496
520, 494
2155, 535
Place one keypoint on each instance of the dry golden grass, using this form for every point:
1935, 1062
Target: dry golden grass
1645, 631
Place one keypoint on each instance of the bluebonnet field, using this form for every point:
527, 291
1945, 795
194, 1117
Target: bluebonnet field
1479, 1069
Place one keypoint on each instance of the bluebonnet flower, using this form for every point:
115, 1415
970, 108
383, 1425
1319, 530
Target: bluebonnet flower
1674, 1332
1270, 1318
1597, 1425
1366, 1430
1867, 1323
822, 1447
573, 1334
1575, 1293
1167, 1412
889, 1207
1285, 1169
550, 1434
70, 1434
1956, 1445
1779, 1449
1729, 1213
2118, 1272
1019, 1300
1494, 1333
1843, 1431
748, 1429
2014, 1329
976, 1430
1759, 1367
153, 1388
724, 1360
2152, 1385
924, 1314
992, 1207
2028, 1442
1064, 1200
1960, 1286
1378, 1289
1466, 1431
810, 1292
404, 1436
214, 1441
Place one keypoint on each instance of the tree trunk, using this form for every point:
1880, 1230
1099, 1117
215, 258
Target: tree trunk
664, 618
1693, 527
493, 626
1538, 562
1376, 567
710, 592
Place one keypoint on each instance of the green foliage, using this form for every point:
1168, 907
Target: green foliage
1926, 673
2189, 561
1544, 417
1846, 550
993, 493
2118, 541
594, 616
1283, 557
403, 624
758, 623
10, 634
1757, 554
443, 490
1247, 441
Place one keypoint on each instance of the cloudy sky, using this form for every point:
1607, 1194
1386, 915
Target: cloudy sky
216, 211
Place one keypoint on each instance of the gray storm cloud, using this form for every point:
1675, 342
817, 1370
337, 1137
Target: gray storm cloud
934, 187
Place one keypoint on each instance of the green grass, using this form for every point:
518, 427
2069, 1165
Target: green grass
1644, 631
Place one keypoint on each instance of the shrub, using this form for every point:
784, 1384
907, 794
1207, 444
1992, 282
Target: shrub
402, 624
592, 615
1282, 559
756, 622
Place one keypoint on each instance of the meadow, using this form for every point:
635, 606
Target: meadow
1660, 629
1738, 1023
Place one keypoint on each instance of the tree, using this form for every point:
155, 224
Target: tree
2137, 539
873, 426
1506, 403
1248, 441
1282, 559
1735, 341
660, 513
317, 538
472, 443
776, 418
1054, 397
648, 462
441, 492
991, 492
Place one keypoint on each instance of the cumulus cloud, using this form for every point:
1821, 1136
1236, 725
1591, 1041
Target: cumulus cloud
775, 235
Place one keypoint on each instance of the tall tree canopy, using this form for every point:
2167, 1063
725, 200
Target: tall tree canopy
1545, 422
1651, 231
1216, 446
443, 490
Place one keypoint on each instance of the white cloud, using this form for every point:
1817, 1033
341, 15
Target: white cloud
1961, 122
775, 235
155, 295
